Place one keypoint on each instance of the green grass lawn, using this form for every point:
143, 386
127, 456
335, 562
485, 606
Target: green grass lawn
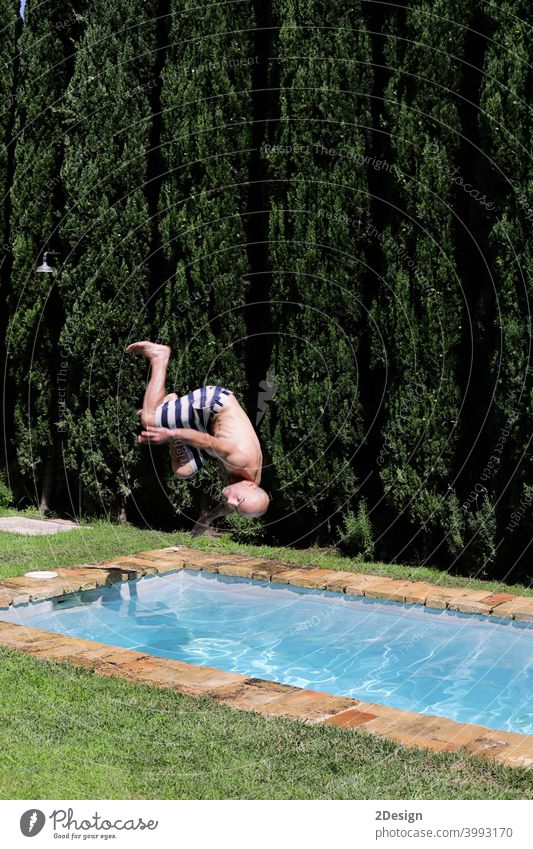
101, 540
67, 733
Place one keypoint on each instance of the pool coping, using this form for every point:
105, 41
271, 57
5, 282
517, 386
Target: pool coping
254, 694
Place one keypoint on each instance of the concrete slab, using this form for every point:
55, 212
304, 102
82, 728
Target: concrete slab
35, 527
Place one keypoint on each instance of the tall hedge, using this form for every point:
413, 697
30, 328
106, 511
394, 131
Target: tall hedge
8, 63
319, 201
35, 309
8, 55
419, 309
206, 145
106, 231
505, 130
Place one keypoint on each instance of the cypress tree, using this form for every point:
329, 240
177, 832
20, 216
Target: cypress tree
8, 39
104, 281
419, 310
8, 42
505, 128
206, 140
316, 152
45, 45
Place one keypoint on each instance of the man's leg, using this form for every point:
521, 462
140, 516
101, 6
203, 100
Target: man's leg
154, 395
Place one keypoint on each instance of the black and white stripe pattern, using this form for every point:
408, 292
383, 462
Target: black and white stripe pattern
193, 411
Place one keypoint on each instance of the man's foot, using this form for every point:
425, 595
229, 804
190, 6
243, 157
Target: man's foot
150, 350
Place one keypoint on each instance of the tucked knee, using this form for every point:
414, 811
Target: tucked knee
184, 472
148, 419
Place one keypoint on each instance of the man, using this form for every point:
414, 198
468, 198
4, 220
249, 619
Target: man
209, 421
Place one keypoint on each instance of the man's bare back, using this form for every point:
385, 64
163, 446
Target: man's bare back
230, 439
245, 460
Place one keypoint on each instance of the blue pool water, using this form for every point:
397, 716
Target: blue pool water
468, 668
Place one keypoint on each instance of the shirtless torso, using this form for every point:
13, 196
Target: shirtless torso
244, 459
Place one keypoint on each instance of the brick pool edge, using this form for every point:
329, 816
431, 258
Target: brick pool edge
266, 697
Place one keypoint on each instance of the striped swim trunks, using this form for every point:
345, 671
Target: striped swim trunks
194, 411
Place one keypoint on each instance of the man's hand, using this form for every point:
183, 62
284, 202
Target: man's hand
155, 436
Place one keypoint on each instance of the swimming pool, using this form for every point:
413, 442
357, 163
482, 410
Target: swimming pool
465, 667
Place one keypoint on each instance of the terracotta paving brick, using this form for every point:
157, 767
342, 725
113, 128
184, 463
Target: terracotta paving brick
445, 596
416, 592
494, 599
18, 598
79, 584
247, 697
269, 569
471, 602
272, 686
520, 609
518, 753
100, 576
290, 574
133, 566
391, 730
413, 729
197, 558
9, 584
112, 574
50, 650
487, 745
350, 718
163, 554
337, 581
386, 712
26, 639
210, 684
525, 615
360, 584
385, 588
199, 561
308, 705
52, 588
164, 566
421, 728
313, 578
396, 590
192, 681
244, 568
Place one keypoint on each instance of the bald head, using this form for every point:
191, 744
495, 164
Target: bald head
247, 498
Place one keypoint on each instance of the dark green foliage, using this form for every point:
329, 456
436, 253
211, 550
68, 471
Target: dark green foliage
206, 140
8, 38
36, 211
104, 282
10, 26
505, 128
245, 530
418, 311
6, 496
319, 211
357, 538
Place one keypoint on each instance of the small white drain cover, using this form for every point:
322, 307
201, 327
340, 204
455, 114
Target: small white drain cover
41, 575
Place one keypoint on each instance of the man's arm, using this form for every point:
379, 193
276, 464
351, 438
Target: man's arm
203, 441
